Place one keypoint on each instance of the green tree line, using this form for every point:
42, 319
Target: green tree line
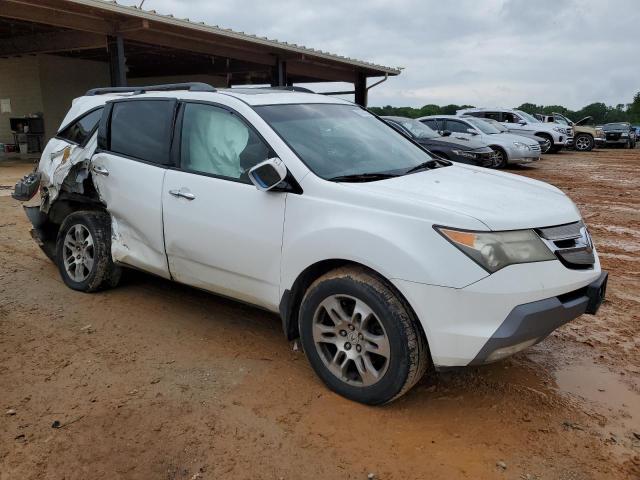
600, 112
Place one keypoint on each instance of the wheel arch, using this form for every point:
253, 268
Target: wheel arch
46, 225
291, 298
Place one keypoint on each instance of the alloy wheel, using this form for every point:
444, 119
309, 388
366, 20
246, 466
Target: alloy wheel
582, 143
78, 253
546, 146
351, 340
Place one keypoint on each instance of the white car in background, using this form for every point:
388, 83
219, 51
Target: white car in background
509, 148
384, 261
516, 120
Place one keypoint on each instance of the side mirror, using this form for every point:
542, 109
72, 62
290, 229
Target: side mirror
472, 131
268, 174
446, 133
522, 122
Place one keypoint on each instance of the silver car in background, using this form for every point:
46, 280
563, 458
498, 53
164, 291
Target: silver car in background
509, 148
545, 144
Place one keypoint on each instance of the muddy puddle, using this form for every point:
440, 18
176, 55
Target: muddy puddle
613, 399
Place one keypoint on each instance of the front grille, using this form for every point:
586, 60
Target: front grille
571, 244
535, 148
613, 136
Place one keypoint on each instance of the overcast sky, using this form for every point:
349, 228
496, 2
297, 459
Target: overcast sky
479, 52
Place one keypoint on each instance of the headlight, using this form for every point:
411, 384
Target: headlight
462, 153
559, 129
521, 146
496, 250
624, 134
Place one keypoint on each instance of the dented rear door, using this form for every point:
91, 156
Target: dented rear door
128, 172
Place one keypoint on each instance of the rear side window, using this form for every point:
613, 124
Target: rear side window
432, 123
142, 129
81, 130
456, 127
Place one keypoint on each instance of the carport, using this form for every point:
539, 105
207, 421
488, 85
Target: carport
51, 51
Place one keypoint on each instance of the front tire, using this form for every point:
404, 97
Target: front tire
546, 146
583, 142
83, 252
360, 337
501, 158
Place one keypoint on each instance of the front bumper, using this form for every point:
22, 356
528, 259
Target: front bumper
531, 323
517, 155
619, 141
563, 140
459, 322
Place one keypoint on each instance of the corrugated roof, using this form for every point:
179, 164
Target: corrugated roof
152, 15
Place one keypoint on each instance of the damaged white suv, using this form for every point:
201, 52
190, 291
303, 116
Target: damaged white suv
384, 261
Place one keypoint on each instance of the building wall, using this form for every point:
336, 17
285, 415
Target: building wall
49, 83
46, 84
61, 80
20, 83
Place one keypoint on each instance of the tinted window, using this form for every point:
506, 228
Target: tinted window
218, 142
456, 127
142, 129
418, 129
493, 115
510, 118
80, 130
432, 124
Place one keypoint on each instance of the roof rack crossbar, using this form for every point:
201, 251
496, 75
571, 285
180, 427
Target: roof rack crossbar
190, 86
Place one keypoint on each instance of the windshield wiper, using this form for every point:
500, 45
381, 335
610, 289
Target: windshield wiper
362, 177
429, 164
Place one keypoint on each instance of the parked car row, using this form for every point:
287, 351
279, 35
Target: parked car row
384, 261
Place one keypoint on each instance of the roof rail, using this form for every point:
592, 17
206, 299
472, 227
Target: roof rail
291, 88
190, 86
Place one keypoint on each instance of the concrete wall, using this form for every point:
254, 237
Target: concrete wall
19, 82
61, 80
49, 83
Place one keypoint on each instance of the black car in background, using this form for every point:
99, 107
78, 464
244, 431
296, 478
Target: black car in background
461, 150
619, 134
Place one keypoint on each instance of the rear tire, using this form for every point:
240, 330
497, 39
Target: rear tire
361, 339
583, 142
83, 252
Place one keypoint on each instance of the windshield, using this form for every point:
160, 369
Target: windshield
527, 117
418, 129
484, 125
616, 126
338, 140
496, 124
560, 119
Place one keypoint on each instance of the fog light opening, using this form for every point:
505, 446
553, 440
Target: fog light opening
504, 352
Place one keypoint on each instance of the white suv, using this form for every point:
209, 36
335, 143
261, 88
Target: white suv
519, 121
384, 261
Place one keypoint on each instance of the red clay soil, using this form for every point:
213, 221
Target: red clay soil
154, 380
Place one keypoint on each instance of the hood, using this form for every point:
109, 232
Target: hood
585, 121
501, 201
455, 141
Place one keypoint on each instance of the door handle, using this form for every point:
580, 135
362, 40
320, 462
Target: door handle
182, 194
99, 170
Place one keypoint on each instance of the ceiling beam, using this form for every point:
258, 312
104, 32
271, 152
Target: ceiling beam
323, 72
155, 36
39, 13
51, 42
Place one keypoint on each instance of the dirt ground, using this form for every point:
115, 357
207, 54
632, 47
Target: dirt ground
154, 380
